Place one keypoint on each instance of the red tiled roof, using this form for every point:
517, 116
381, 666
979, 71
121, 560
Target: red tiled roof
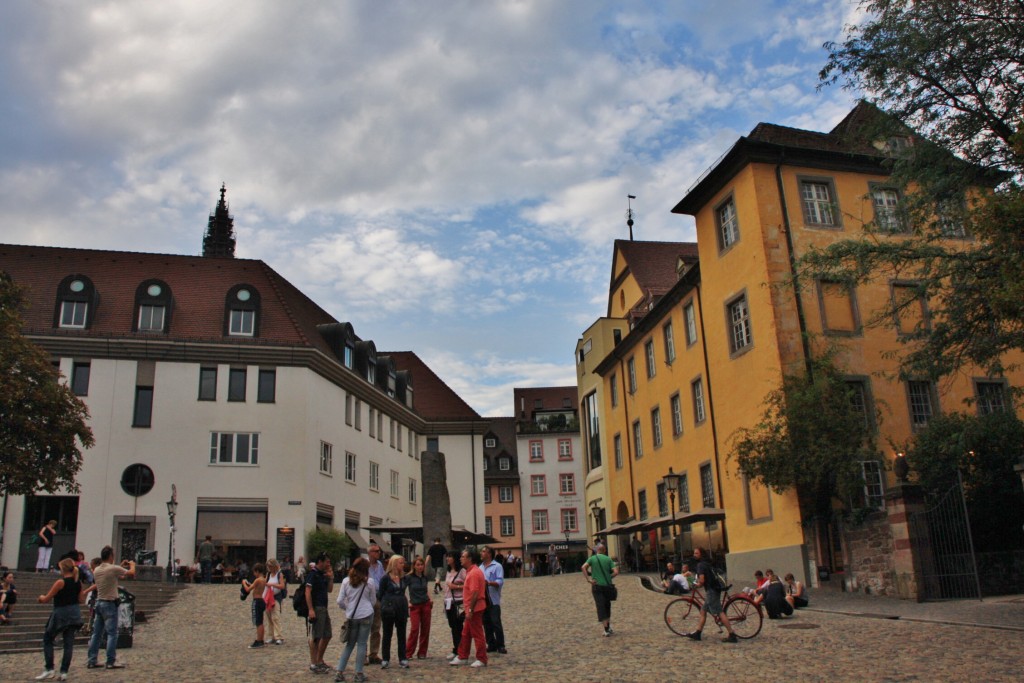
653, 264
504, 430
198, 285
432, 398
551, 398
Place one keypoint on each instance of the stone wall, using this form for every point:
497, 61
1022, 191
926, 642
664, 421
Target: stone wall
870, 547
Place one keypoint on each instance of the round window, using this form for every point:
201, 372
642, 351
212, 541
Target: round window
154, 290
137, 480
76, 286
243, 295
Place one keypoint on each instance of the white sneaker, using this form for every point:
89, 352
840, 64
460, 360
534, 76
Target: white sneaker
477, 664
49, 673
450, 656
62, 677
456, 661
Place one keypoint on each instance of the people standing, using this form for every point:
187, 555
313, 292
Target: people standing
437, 554
474, 600
600, 571
377, 572
66, 593
357, 597
453, 607
318, 587
277, 585
46, 535
494, 575
707, 580
205, 558
420, 609
394, 611
104, 624
259, 605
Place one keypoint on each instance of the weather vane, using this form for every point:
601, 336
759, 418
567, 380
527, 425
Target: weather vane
629, 214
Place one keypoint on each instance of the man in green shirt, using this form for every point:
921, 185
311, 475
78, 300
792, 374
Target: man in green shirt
600, 570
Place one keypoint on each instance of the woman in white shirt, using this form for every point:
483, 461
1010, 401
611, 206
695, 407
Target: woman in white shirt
357, 596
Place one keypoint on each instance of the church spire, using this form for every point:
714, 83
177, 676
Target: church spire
219, 240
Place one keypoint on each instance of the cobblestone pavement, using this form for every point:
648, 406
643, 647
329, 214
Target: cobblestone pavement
552, 635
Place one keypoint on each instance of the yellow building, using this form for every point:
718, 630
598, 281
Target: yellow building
711, 336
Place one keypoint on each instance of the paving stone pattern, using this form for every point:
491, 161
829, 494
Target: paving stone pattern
553, 635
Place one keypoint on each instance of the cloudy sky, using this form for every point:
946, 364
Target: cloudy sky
447, 176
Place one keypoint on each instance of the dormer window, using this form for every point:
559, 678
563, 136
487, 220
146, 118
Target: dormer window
350, 355
504, 464
152, 306
76, 298
242, 309
371, 370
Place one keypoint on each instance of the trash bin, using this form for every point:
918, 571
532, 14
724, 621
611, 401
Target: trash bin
823, 573
146, 558
125, 617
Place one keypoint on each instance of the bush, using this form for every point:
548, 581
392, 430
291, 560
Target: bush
334, 542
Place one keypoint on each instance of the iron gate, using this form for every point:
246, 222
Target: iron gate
941, 537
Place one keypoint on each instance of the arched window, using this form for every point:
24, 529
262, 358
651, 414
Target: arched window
76, 303
242, 312
152, 307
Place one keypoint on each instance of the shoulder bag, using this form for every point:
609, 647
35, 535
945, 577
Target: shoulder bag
611, 588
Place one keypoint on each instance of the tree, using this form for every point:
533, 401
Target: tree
334, 542
950, 77
984, 449
42, 423
812, 437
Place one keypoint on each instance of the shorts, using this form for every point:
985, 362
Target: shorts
258, 609
439, 574
799, 602
320, 629
713, 602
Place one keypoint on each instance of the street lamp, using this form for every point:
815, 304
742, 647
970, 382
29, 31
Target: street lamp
672, 483
172, 510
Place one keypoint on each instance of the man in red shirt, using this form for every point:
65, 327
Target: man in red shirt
474, 601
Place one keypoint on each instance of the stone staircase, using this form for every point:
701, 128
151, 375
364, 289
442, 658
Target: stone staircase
25, 632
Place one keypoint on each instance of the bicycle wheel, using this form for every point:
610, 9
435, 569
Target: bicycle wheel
681, 615
744, 616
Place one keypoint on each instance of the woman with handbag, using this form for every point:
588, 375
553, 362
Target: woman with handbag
600, 570
420, 608
394, 610
357, 597
453, 582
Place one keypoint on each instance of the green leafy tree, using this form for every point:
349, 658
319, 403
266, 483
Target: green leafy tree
984, 449
949, 75
42, 424
334, 542
811, 438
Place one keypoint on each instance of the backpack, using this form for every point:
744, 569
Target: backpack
299, 603
719, 579
243, 594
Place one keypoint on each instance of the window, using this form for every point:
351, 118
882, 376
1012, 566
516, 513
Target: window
505, 494
641, 503
358, 415
662, 500
691, 324
391, 432
72, 314
638, 441
508, 525
707, 486
538, 485
909, 305
670, 342
591, 419
649, 355
490, 442
838, 308
143, 415
631, 367
504, 464
618, 451
326, 458
413, 443
740, 336
394, 483
374, 476
380, 426
991, 397
487, 495
373, 422
488, 527
152, 305
874, 492
565, 449
487, 463
536, 451
656, 427
728, 224
236, 384
75, 293
207, 384
922, 403
888, 216
567, 484
398, 438
242, 323
349, 355
234, 448
412, 490
540, 522
817, 197
350, 467
569, 522
683, 496
433, 444
951, 217
697, 388
243, 305
151, 318
677, 415
80, 379
613, 387
266, 386
860, 401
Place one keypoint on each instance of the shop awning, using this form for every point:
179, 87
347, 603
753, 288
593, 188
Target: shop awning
626, 527
357, 538
704, 515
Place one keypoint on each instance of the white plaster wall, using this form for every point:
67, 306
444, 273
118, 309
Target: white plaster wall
554, 501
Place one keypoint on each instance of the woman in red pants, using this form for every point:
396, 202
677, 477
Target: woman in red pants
420, 608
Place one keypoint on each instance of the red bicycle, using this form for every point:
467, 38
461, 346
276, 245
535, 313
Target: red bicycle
682, 614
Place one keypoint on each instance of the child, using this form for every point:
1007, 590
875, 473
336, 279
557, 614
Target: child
8, 597
259, 607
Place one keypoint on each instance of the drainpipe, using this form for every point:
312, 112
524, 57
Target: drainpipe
711, 413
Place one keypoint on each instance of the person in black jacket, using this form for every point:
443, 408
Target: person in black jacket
774, 593
394, 610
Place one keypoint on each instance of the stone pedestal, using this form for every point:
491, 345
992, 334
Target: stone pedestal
902, 501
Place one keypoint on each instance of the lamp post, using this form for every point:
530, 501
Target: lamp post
172, 510
595, 511
672, 481
565, 565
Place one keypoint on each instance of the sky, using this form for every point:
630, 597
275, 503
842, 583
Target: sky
449, 177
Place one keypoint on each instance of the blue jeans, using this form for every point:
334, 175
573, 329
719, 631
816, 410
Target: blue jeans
362, 627
207, 566
105, 623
